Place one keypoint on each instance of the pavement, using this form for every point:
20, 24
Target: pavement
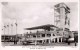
51, 44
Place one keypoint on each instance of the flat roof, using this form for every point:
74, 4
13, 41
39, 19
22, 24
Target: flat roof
48, 26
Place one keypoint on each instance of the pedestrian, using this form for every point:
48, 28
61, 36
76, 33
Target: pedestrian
15, 40
68, 40
75, 39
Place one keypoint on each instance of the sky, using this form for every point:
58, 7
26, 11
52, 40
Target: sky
30, 14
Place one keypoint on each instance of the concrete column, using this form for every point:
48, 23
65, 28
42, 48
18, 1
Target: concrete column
51, 37
54, 40
45, 35
49, 41
45, 41
35, 42
40, 36
61, 39
51, 34
42, 41
58, 40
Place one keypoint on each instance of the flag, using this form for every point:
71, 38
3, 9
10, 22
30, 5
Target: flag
11, 24
4, 26
2, 29
16, 24
7, 25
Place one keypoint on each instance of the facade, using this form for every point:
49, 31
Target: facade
44, 37
8, 38
61, 18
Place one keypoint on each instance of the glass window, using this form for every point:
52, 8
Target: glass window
53, 34
34, 36
38, 35
43, 35
48, 35
57, 32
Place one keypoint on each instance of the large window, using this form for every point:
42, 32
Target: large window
48, 35
38, 35
43, 35
34, 36
53, 34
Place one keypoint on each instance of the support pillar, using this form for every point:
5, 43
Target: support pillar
58, 40
54, 40
35, 42
45, 41
49, 41
61, 39
42, 41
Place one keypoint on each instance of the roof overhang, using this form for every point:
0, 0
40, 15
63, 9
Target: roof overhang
45, 27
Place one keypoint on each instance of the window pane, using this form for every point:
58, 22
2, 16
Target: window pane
48, 35
34, 36
43, 35
53, 35
38, 35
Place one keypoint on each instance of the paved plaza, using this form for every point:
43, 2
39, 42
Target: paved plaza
51, 44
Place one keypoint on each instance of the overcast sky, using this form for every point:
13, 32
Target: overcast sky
30, 14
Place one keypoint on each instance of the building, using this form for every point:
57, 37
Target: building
52, 33
47, 36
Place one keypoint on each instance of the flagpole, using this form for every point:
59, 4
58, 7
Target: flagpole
12, 28
4, 32
16, 26
8, 28
4, 29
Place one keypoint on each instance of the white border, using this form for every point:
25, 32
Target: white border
37, 48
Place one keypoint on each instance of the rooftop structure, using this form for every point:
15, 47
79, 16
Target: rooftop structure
45, 27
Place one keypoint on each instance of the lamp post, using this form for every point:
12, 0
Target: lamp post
4, 32
16, 39
12, 28
8, 28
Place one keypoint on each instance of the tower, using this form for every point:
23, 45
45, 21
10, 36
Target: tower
61, 18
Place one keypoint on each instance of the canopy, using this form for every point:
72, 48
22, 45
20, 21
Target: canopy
46, 27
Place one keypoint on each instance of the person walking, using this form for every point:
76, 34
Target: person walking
15, 40
75, 39
68, 40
